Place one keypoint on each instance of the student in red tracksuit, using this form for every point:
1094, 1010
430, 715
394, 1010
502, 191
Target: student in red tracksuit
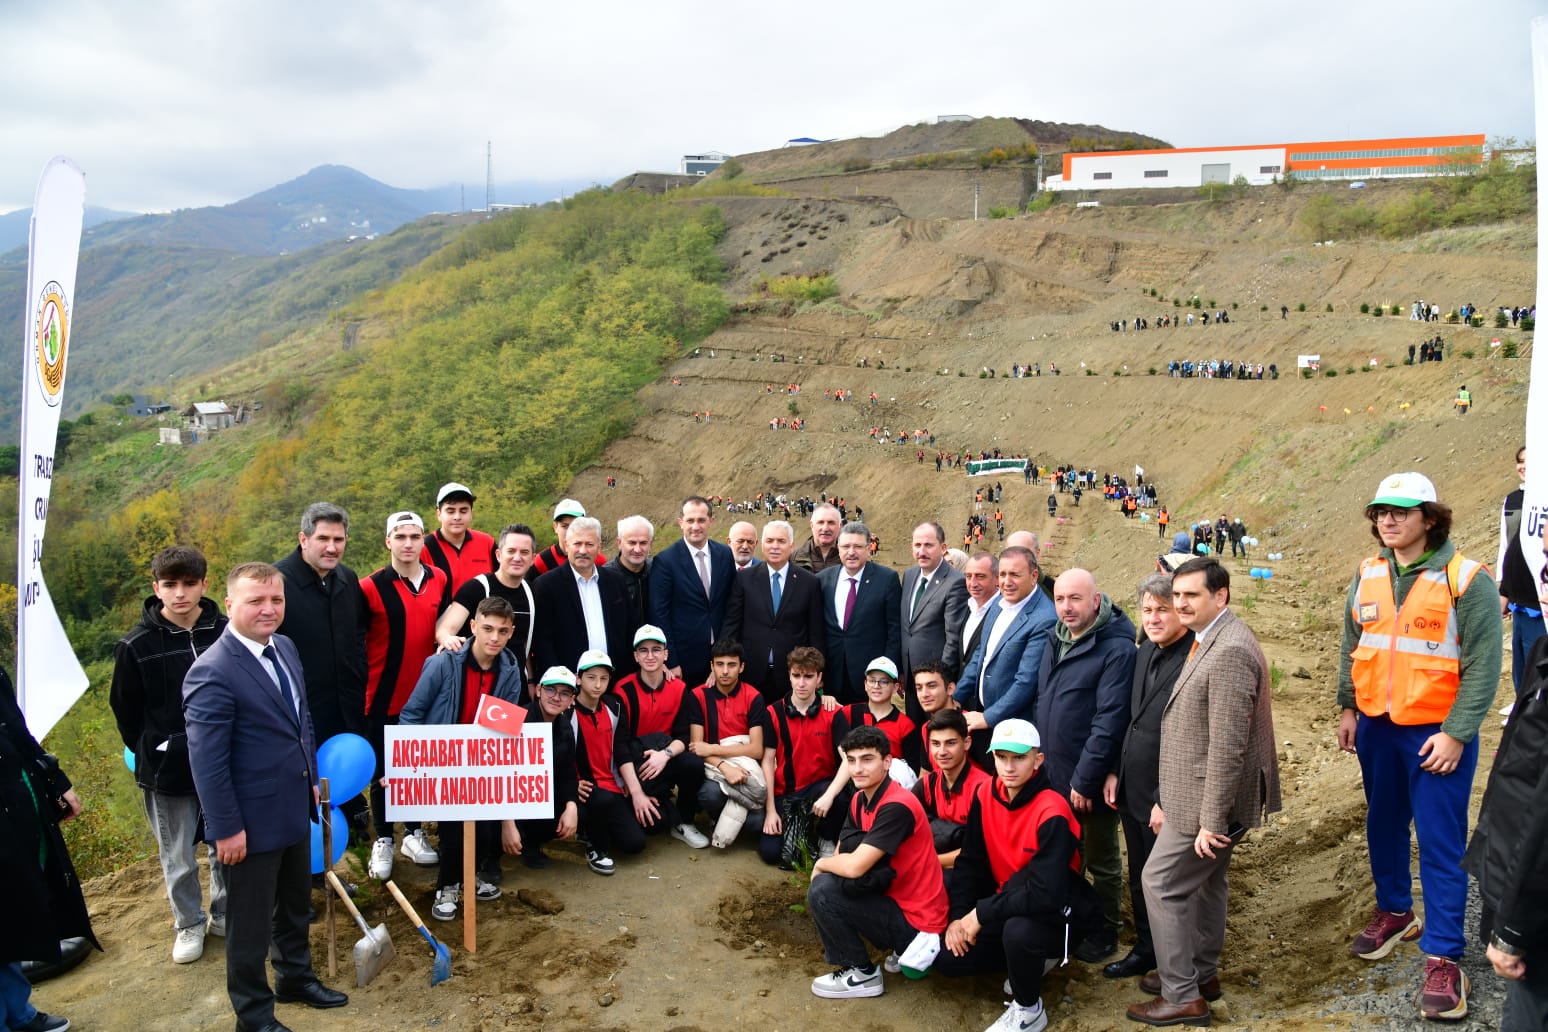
884, 885
614, 809
1017, 887
948, 788
653, 710
456, 549
403, 600
933, 685
881, 685
800, 763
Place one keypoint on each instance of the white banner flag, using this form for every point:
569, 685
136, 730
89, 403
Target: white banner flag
1534, 506
48, 676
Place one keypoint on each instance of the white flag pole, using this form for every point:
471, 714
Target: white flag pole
48, 676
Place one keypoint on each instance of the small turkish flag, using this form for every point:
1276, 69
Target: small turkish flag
499, 715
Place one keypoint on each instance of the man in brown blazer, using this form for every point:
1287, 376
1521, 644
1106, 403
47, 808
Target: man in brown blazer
1219, 775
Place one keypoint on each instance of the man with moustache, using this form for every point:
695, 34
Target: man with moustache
1132, 789
581, 606
861, 614
774, 607
1083, 685
1219, 775
743, 539
821, 549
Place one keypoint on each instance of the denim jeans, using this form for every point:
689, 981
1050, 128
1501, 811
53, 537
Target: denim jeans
174, 820
15, 1009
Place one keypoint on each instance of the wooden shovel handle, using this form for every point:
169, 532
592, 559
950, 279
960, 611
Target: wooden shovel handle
338, 887
408, 908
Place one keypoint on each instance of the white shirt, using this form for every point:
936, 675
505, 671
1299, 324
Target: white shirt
1198, 638
591, 605
841, 591
976, 615
256, 648
1002, 622
920, 587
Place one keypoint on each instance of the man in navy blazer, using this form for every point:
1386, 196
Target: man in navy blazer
874, 624
1000, 681
767, 632
253, 756
680, 603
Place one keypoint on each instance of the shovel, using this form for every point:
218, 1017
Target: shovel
441, 970
374, 949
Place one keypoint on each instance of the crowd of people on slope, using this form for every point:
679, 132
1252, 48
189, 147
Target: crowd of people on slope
997, 732
1169, 320
1220, 369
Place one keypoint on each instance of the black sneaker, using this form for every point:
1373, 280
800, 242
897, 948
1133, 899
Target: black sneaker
599, 861
1096, 948
45, 1023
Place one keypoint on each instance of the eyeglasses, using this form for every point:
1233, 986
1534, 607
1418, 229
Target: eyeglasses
878, 682
1395, 515
650, 650
557, 691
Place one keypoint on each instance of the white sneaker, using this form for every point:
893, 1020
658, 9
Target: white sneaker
849, 984
189, 945
891, 965
485, 891
692, 837
445, 906
1021, 1019
599, 861
826, 847
217, 925
381, 859
417, 848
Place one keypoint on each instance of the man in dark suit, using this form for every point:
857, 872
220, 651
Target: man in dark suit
934, 608
690, 584
1219, 775
774, 607
1134, 788
1000, 680
253, 757
981, 574
581, 606
862, 614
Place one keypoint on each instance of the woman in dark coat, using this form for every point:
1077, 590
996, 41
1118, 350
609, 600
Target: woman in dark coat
40, 896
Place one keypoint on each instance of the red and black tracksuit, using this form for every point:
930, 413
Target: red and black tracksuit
805, 744
475, 556
601, 750
896, 725
721, 716
1020, 870
947, 805
654, 720
399, 635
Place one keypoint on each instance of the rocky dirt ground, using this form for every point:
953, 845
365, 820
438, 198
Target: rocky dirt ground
683, 940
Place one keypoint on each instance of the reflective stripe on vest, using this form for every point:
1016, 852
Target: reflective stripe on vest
1408, 662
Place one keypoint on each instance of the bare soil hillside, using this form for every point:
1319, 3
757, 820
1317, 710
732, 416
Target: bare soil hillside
927, 308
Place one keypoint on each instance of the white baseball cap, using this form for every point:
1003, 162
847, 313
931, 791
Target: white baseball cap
885, 665
1405, 490
558, 675
451, 489
649, 632
569, 507
593, 658
1014, 735
398, 519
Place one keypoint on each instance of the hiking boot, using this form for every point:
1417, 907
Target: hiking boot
381, 859
485, 891
189, 945
417, 848
599, 861
849, 983
690, 836
1444, 995
445, 906
1384, 932
1021, 1019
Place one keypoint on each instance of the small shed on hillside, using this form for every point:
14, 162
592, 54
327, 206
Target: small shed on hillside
209, 415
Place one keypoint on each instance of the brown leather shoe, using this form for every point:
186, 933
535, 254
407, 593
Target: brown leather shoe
1159, 1012
1210, 990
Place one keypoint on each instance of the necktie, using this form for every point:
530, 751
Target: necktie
918, 591
703, 571
279, 672
1191, 650
849, 603
774, 589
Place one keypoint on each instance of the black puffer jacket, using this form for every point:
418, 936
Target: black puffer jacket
147, 693
1509, 851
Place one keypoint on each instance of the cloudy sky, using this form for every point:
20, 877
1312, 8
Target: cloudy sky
180, 103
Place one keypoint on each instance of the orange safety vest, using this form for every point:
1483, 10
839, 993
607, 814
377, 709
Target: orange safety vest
1408, 663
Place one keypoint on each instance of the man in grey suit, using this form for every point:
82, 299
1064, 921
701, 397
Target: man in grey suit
934, 609
1219, 775
861, 614
1000, 681
253, 757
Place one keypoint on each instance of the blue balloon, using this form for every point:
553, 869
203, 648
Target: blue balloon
340, 840
1268, 574
129, 758
347, 761
1254, 573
